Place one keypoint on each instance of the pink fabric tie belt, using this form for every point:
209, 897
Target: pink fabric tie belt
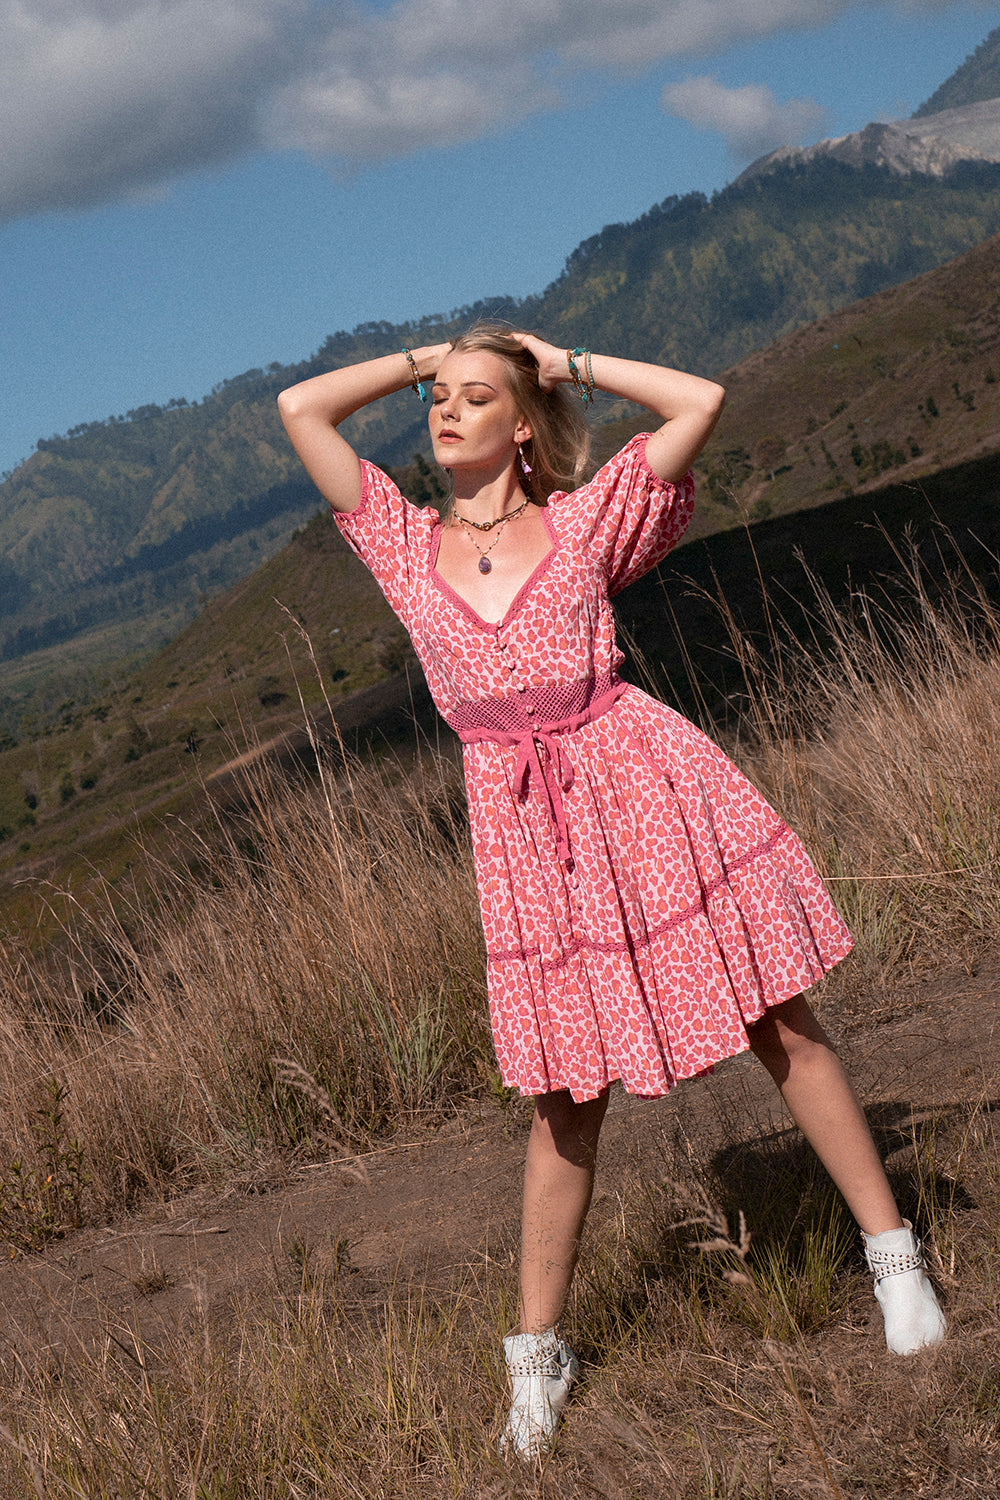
517, 719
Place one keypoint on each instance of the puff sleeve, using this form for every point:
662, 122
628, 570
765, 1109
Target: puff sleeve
389, 534
627, 518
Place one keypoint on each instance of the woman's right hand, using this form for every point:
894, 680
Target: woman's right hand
553, 366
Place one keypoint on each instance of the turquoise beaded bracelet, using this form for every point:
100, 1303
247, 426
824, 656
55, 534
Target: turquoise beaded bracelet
583, 385
415, 381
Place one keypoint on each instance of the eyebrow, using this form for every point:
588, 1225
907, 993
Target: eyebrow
465, 385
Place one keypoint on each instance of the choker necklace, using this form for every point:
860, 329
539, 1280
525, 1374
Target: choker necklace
485, 566
489, 525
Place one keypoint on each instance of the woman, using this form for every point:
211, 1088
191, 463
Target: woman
646, 912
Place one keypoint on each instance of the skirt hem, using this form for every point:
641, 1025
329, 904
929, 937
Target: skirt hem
582, 1090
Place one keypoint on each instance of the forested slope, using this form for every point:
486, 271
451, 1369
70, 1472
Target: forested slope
113, 536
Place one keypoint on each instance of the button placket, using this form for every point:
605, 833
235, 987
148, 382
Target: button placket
507, 654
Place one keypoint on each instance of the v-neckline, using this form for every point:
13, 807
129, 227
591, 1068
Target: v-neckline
452, 593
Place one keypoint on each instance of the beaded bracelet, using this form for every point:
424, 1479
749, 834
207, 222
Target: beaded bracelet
415, 381
584, 386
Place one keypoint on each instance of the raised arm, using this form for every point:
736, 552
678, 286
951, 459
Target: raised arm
688, 406
313, 410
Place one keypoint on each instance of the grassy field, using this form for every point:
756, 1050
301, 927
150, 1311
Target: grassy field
308, 979
114, 769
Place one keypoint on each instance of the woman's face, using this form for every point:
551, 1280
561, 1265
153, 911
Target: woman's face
473, 420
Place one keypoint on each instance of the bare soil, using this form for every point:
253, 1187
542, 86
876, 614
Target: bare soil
424, 1207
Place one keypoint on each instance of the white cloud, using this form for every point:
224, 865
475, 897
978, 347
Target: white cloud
101, 99
750, 119
429, 73
110, 97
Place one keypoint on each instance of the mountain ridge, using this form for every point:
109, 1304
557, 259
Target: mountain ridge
960, 122
931, 146
112, 537
975, 79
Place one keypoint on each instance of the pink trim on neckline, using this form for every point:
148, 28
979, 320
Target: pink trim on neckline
518, 599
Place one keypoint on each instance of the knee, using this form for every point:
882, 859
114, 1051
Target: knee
787, 1034
568, 1129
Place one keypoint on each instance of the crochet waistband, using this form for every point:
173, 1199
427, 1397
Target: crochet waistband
534, 721
553, 707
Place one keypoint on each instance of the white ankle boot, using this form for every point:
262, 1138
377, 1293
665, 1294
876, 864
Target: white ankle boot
913, 1319
542, 1367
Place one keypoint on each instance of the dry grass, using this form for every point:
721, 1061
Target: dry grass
710, 1371
314, 975
879, 738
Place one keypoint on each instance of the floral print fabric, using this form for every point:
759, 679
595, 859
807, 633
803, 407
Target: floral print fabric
686, 906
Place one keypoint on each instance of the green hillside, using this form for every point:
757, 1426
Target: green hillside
700, 284
978, 78
114, 535
904, 384
120, 768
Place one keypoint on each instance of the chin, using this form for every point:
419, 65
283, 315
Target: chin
448, 460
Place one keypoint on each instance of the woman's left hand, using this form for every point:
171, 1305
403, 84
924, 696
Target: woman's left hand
553, 365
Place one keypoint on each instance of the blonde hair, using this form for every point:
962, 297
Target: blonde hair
560, 442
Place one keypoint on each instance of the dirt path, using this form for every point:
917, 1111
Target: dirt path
435, 1201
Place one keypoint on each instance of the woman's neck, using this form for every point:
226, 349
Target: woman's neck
487, 500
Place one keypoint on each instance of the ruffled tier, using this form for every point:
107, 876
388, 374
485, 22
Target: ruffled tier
653, 1012
688, 909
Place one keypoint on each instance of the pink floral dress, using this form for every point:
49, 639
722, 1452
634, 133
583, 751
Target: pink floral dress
641, 901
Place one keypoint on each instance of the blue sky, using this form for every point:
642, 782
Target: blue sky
191, 188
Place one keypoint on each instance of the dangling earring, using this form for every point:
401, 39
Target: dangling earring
524, 462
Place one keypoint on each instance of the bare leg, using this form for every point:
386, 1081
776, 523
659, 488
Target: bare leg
558, 1183
800, 1058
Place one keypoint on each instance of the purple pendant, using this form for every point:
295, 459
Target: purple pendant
485, 566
